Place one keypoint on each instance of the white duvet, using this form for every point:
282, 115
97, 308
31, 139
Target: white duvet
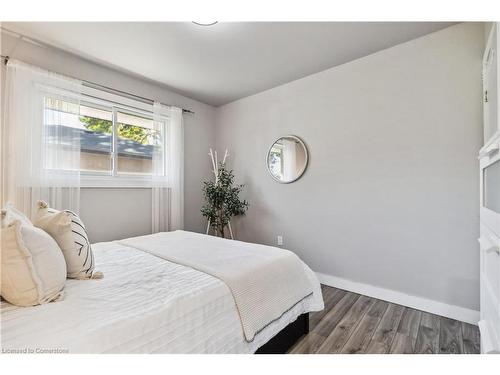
144, 304
265, 281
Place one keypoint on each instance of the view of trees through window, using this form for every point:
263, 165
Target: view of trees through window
137, 140
127, 131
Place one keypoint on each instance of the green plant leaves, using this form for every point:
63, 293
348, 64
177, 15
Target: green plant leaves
223, 201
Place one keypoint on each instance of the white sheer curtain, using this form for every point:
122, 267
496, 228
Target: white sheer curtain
41, 156
168, 170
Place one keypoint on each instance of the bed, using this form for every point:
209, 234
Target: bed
146, 304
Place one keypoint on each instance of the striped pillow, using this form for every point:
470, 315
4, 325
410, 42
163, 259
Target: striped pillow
68, 230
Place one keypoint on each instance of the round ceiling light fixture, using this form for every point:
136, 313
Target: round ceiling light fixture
205, 23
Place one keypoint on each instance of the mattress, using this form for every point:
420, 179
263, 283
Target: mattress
144, 304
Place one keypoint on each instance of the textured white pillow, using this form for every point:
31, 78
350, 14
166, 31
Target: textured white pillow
11, 214
69, 232
33, 266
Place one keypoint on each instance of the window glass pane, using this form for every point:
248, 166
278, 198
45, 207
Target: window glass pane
125, 118
61, 134
96, 139
66, 122
136, 142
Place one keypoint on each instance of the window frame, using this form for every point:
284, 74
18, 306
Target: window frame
114, 103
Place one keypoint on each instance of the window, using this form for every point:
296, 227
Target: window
137, 141
115, 141
95, 127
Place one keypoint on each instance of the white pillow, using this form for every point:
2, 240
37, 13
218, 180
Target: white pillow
10, 214
33, 266
69, 232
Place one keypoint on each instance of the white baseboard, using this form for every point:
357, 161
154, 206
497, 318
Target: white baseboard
450, 311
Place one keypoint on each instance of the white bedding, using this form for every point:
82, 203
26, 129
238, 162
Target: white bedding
144, 304
265, 281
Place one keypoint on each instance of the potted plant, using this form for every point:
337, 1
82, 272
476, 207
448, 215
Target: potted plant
223, 201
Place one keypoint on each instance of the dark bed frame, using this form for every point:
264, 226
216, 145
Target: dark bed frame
287, 337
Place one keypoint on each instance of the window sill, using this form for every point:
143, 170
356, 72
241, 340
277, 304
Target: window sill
93, 181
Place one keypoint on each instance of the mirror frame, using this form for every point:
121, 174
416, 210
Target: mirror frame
302, 171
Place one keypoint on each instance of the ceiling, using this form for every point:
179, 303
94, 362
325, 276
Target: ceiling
226, 61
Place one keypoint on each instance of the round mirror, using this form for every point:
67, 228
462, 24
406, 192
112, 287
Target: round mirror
287, 159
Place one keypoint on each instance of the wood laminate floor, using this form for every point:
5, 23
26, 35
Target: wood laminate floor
353, 323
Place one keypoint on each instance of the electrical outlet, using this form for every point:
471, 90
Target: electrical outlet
280, 240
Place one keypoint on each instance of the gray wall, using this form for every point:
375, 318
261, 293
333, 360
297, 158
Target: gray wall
390, 197
112, 214
199, 137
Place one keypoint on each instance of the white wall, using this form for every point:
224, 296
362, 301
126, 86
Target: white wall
199, 136
390, 197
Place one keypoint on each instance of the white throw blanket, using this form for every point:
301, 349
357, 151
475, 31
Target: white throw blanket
265, 281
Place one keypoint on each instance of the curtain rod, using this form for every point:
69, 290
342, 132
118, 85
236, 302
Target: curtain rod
112, 90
